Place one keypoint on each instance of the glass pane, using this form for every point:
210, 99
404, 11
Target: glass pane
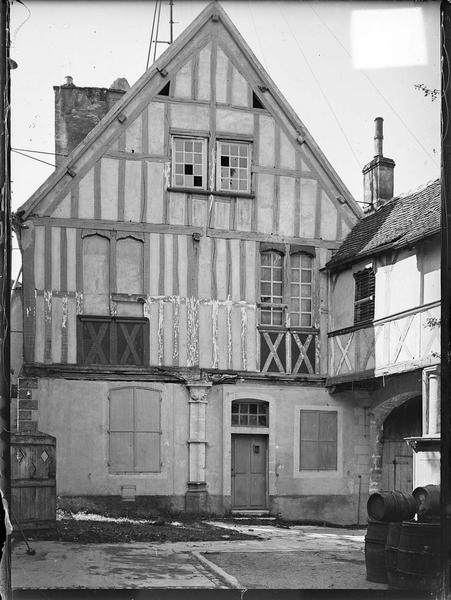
306, 276
295, 260
294, 319
277, 318
277, 289
306, 291
243, 419
265, 289
265, 316
253, 409
306, 320
306, 261
262, 420
234, 419
252, 419
234, 407
306, 305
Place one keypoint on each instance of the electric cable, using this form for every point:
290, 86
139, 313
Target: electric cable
34, 158
322, 91
376, 88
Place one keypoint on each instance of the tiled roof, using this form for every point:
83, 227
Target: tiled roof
397, 223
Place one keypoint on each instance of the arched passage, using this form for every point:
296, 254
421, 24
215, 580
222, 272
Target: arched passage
379, 477
397, 457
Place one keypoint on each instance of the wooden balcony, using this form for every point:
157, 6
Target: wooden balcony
289, 351
402, 342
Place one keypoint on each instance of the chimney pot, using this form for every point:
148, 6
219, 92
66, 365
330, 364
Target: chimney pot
378, 136
68, 80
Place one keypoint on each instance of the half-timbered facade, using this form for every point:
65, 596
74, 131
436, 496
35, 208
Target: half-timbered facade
384, 332
175, 298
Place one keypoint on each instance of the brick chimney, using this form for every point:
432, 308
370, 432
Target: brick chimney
79, 109
378, 174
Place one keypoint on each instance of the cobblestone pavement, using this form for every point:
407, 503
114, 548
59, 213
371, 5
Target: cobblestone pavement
297, 557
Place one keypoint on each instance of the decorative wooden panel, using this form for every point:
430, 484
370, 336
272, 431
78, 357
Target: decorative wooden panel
288, 351
112, 341
403, 342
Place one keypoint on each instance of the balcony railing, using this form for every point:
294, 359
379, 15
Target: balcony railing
400, 342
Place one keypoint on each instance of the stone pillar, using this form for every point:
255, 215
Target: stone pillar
431, 401
197, 494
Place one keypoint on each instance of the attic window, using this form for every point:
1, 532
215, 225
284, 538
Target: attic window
189, 162
164, 90
256, 102
233, 166
364, 296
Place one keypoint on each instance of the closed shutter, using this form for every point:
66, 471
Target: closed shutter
135, 430
318, 440
121, 430
147, 427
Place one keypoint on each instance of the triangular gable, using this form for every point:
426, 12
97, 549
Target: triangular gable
250, 82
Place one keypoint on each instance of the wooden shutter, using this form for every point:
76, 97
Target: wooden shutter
364, 296
96, 275
135, 430
121, 430
309, 440
318, 440
327, 441
147, 427
129, 266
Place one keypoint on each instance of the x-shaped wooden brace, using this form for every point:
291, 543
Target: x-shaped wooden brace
402, 339
96, 338
344, 353
130, 338
302, 354
371, 341
272, 347
434, 334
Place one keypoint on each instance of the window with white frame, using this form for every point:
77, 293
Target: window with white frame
286, 282
271, 288
233, 166
250, 413
301, 271
189, 162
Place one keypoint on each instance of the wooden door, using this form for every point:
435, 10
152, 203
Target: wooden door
249, 472
397, 470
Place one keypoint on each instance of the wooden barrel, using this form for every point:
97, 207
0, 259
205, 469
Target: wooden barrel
428, 498
391, 553
375, 540
418, 560
391, 506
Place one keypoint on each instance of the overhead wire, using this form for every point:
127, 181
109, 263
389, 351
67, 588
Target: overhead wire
39, 151
322, 91
376, 88
34, 158
256, 34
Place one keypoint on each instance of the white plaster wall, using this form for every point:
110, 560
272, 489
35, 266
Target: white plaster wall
76, 413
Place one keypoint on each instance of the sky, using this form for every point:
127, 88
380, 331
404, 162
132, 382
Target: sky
339, 64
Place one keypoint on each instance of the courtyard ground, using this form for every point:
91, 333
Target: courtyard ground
266, 556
